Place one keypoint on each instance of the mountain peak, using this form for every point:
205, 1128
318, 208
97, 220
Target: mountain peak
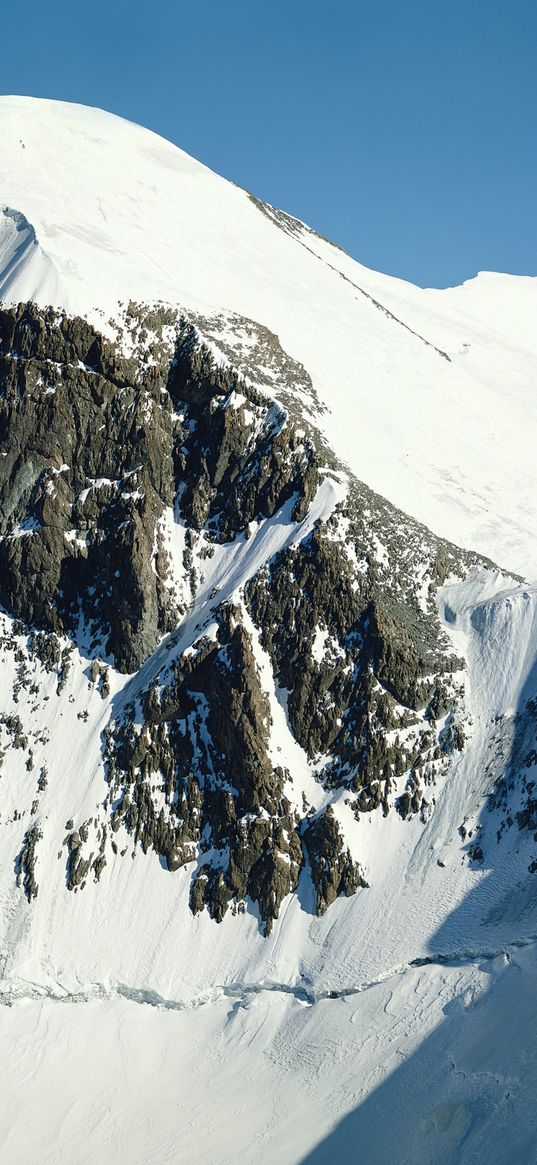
122, 215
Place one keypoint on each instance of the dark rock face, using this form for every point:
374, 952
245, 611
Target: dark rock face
512, 769
238, 460
99, 449
206, 737
94, 452
332, 868
349, 702
82, 484
26, 862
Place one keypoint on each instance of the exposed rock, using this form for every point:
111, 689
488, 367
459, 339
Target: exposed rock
26, 862
332, 868
101, 449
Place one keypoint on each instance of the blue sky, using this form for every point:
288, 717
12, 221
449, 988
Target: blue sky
405, 130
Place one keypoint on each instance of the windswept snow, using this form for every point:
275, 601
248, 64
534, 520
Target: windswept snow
430, 394
26, 273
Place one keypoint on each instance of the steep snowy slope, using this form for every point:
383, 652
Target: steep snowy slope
438, 385
434, 1065
268, 744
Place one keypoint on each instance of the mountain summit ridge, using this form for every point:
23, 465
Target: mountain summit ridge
122, 214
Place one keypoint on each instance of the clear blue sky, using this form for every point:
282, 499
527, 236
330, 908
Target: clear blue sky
406, 130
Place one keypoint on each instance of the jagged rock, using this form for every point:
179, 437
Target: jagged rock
26, 862
98, 866
89, 478
476, 855
332, 868
77, 865
242, 457
240, 807
88, 427
527, 817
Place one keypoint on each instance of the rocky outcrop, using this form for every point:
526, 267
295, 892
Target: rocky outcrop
25, 864
96, 446
240, 457
108, 444
333, 870
205, 738
355, 657
83, 482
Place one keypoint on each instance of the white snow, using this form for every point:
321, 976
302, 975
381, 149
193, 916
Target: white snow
278, 1067
319, 644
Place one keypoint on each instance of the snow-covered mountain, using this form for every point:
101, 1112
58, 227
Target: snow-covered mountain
268, 705
438, 383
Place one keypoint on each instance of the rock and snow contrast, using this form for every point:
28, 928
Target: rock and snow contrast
268, 716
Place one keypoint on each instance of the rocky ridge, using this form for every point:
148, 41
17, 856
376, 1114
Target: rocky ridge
133, 469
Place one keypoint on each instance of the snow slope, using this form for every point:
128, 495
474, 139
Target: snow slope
429, 393
423, 1069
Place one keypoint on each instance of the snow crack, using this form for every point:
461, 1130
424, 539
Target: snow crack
14, 991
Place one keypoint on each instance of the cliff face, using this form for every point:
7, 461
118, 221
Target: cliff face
175, 522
